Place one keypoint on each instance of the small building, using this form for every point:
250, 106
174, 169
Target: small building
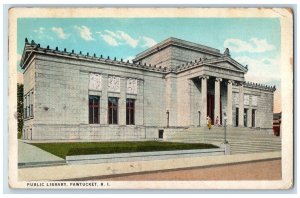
174, 84
277, 123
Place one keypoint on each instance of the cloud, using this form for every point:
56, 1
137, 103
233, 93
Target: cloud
60, 32
129, 58
40, 30
41, 33
128, 39
148, 42
109, 39
122, 38
254, 45
263, 70
85, 32
115, 35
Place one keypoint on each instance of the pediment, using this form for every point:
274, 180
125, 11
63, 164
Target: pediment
228, 63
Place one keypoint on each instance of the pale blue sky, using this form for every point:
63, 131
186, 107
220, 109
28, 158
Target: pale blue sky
252, 41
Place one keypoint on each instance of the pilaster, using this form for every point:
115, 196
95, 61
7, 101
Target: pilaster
104, 101
122, 102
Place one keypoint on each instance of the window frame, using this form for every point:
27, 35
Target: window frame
113, 110
130, 111
28, 105
95, 105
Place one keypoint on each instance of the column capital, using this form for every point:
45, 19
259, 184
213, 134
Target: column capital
219, 79
204, 77
230, 82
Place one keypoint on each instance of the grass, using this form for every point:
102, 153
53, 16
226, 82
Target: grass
85, 148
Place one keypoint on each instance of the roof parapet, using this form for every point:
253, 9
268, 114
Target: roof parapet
260, 86
36, 47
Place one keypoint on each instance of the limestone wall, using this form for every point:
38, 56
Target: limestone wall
62, 90
29, 86
180, 56
263, 107
160, 58
195, 102
264, 114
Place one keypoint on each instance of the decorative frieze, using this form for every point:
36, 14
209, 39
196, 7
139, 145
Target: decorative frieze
246, 99
236, 98
95, 82
114, 83
132, 85
254, 101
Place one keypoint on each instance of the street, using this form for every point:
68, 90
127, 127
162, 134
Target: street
260, 170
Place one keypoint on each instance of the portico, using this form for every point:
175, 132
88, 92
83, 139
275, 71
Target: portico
216, 109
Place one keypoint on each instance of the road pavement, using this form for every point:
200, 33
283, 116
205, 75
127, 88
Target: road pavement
259, 170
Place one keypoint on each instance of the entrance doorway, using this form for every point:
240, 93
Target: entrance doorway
211, 107
245, 117
236, 117
253, 117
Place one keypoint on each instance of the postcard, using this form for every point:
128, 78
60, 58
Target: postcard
151, 98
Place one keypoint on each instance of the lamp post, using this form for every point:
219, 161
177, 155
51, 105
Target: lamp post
199, 113
168, 117
225, 122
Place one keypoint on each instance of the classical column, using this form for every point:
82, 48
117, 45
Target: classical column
203, 100
217, 99
229, 102
249, 118
241, 105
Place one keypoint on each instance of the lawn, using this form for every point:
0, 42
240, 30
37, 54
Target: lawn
84, 148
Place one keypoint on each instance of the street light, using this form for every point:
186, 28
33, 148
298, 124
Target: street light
225, 120
168, 118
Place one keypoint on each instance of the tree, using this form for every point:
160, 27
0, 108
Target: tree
20, 93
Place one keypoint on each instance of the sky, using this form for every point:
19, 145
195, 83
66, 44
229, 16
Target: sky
252, 41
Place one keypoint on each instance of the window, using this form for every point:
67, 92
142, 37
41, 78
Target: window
94, 109
28, 104
112, 110
130, 111
31, 105
25, 107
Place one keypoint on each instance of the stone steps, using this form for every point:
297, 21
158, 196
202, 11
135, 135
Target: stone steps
248, 138
241, 140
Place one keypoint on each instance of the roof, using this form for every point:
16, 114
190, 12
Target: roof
180, 43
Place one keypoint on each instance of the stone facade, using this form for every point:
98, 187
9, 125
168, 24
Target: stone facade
174, 84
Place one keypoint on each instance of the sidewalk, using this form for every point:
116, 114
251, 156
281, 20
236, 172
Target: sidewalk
29, 155
64, 172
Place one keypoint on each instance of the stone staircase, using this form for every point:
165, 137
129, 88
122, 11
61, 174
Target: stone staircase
241, 140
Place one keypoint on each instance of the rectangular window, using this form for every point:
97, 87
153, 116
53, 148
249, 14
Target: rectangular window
130, 111
28, 105
112, 110
94, 109
31, 105
25, 107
